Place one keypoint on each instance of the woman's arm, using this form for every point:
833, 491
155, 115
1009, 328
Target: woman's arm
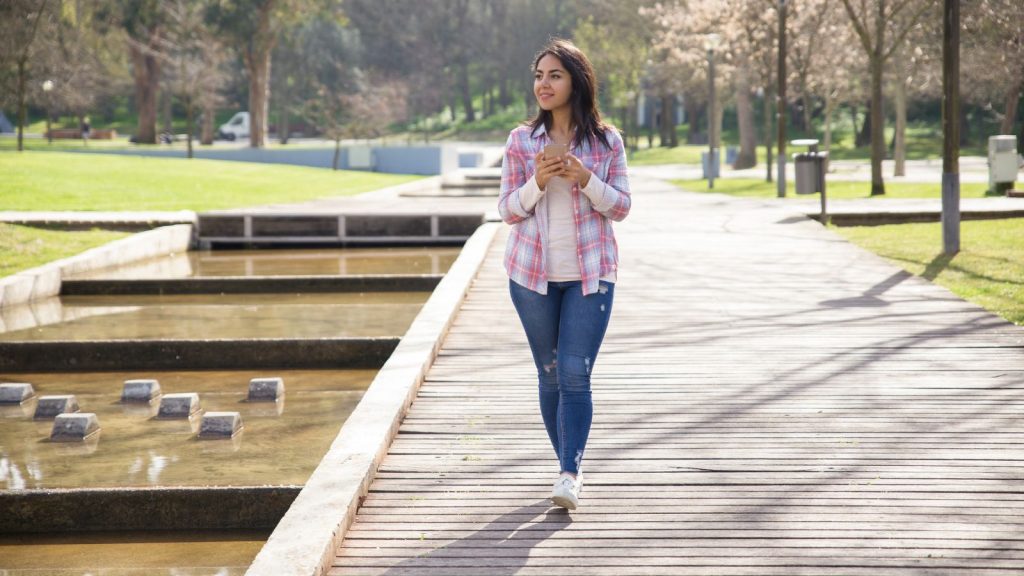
612, 198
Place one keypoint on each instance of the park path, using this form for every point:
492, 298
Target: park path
769, 400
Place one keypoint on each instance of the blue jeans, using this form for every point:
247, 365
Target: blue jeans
565, 330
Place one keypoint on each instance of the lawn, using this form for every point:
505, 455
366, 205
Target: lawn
22, 247
988, 271
758, 188
70, 181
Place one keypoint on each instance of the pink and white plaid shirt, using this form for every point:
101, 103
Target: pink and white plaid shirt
605, 198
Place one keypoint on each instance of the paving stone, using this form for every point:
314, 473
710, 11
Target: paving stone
50, 406
140, 390
220, 425
15, 392
178, 405
266, 389
74, 427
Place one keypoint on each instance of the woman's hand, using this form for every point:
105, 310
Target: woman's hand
576, 172
548, 168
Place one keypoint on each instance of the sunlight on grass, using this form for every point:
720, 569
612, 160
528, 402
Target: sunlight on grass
69, 181
22, 247
988, 271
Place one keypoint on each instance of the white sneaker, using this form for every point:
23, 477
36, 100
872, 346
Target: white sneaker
566, 492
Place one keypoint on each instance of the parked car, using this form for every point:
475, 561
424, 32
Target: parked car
237, 127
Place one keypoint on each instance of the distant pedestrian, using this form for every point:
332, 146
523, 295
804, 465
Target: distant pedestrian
86, 128
563, 182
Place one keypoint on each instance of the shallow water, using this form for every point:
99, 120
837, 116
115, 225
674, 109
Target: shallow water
281, 443
214, 316
287, 262
131, 553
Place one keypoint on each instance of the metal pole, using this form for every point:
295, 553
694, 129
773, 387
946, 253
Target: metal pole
951, 127
780, 99
711, 119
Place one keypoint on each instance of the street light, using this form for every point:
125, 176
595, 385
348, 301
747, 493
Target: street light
47, 88
711, 42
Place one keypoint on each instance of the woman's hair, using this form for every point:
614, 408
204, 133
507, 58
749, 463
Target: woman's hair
586, 116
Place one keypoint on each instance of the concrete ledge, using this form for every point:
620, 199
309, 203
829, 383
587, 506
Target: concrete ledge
304, 542
174, 508
254, 285
45, 281
900, 217
116, 355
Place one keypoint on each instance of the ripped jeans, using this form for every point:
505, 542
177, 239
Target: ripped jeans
565, 330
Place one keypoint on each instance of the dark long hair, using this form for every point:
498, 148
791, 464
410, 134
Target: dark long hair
586, 116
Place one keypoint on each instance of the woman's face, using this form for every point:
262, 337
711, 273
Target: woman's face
552, 84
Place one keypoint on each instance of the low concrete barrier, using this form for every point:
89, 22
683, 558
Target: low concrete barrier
168, 508
303, 544
45, 281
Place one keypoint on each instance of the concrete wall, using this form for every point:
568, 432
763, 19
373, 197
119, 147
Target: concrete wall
44, 281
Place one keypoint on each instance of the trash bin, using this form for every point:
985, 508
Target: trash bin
730, 154
704, 164
810, 172
1003, 164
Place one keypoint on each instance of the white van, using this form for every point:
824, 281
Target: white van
237, 127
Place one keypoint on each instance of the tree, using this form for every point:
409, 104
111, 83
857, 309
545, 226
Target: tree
20, 25
881, 27
194, 58
993, 58
253, 28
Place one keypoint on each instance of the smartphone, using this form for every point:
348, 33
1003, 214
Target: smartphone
553, 150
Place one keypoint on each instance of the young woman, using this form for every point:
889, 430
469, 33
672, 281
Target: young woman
561, 256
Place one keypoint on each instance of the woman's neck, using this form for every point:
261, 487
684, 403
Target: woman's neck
561, 123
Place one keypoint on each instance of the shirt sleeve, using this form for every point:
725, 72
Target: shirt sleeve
519, 192
611, 199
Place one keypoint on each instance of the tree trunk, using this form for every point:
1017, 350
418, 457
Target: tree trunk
805, 99
166, 111
877, 127
665, 124
207, 137
22, 108
504, 98
768, 97
337, 154
467, 95
829, 111
693, 119
899, 152
747, 157
864, 135
146, 73
189, 125
284, 130
257, 62
1010, 107
965, 127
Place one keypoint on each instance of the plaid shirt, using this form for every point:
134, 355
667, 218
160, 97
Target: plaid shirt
605, 198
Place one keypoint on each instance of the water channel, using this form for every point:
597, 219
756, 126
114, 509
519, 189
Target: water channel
281, 442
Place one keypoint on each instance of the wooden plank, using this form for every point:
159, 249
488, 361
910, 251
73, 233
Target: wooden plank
769, 400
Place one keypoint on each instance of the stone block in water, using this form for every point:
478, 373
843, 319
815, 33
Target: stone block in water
74, 427
15, 392
181, 405
51, 406
266, 389
220, 425
140, 390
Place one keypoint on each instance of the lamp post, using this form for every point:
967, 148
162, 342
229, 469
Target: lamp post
711, 42
47, 88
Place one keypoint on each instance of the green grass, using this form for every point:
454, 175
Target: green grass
22, 247
988, 271
69, 181
758, 188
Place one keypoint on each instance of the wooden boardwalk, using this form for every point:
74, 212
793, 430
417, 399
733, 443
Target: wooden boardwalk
769, 400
